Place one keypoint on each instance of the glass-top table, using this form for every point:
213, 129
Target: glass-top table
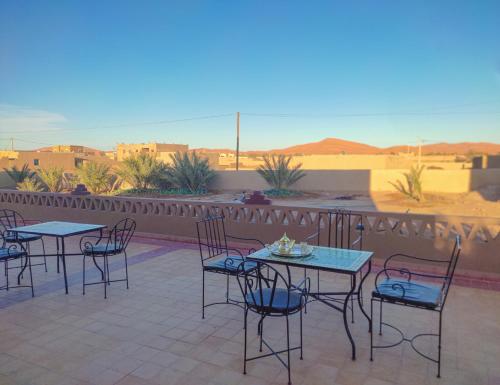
59, 230
344, 261
341, 261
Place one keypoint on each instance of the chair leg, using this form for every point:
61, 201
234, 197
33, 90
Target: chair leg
126, 268
109, 275
31, 276
380, 323
305, 277
261, 332
288, 349
301, 351
245, 343
352, 303
203, 295
44, 254
83, 285
227, 288
439, 344
105, 278
7, 274
371, 329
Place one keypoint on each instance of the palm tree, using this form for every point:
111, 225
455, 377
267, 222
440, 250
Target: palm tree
413, 188
142, 171
19, 175
30, 184
189, 172
95, 176
277, 172
52, 178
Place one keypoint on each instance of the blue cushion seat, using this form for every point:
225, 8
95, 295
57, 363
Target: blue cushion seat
103, 248
415, 293
229, 264
22, 237
279, 301
6, 253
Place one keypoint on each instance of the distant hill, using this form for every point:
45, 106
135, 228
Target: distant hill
340, 146
450, 148
329, 146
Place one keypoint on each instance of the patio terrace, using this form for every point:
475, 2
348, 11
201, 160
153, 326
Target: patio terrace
153, 333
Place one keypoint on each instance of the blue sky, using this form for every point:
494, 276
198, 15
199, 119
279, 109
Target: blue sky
379, 72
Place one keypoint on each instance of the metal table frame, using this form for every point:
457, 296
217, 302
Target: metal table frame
340, 304
60, 231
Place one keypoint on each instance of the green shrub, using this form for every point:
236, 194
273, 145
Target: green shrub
189, 172
52, 178
19, 175
95, 176
30, 184
142, 171
413, 188
277, 172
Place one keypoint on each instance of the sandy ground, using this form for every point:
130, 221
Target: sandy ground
484, 203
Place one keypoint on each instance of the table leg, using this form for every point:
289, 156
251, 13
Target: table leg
344, 314
360, 291
58, 254
23, 267
63, 257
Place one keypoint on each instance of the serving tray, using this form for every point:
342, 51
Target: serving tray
296, 252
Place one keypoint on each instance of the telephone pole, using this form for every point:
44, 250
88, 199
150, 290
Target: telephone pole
237, 141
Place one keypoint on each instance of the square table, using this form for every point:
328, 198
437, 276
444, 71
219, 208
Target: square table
341, 261
60, 231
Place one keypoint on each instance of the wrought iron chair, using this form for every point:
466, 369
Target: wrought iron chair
104, 246
14, 252
342, 229
272, 295
400, 286
10, 219
217, 257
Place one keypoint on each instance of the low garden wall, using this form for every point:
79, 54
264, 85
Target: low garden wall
385, 233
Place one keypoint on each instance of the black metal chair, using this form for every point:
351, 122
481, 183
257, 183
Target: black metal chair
104, 246
15, 252
10, 219
342, 229
217, 257
401, 286
272, 295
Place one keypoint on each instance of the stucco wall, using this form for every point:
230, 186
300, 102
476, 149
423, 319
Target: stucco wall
385, 233
445, 181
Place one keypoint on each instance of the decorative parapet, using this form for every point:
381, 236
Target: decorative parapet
385, 233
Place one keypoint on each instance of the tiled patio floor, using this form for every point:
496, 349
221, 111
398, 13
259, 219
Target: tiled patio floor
154, 334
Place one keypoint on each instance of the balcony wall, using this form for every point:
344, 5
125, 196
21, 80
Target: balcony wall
385, 234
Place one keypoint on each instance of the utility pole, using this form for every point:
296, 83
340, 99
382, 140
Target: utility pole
237, 141
419, 152
12, 144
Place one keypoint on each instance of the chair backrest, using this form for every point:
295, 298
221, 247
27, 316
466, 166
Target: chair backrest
9, 219
121, 233
212, 239
254, 283
341, 229
450, 270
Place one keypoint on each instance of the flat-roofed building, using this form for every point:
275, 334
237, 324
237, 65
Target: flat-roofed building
158, 150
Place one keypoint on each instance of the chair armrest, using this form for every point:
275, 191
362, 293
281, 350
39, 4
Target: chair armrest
236, 251
410, 257
14, 246
247, 239
86, 243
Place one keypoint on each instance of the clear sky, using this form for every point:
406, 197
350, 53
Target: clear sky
379, 72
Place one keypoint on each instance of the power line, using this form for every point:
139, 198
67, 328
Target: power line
369, 114
148, 123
